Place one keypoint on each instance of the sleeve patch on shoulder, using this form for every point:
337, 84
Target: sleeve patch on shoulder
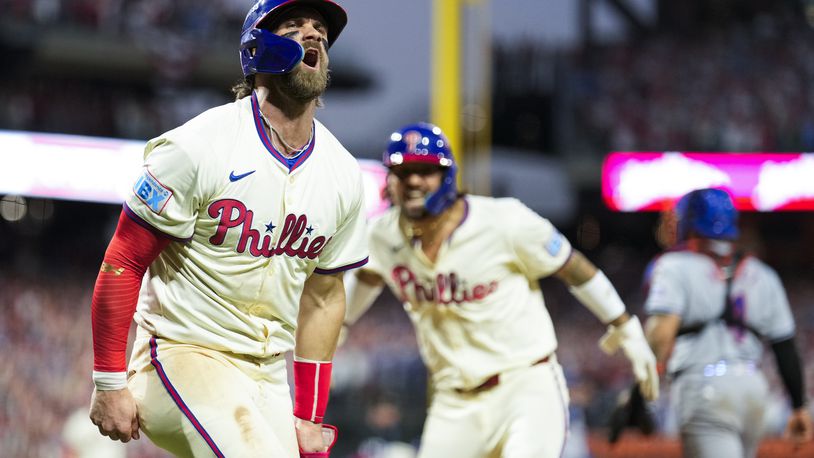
152, 193
554, 245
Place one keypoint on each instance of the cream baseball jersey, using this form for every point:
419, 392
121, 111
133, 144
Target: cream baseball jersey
478, 310
251, 224
692, 286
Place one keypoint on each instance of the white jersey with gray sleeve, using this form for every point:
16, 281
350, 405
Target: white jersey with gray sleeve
691, 285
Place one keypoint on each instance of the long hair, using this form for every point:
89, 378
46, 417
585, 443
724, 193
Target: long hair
243, 88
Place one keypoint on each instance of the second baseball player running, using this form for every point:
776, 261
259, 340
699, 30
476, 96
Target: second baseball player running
467, 270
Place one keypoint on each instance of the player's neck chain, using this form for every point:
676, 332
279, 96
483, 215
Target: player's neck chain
290, 151
418, 229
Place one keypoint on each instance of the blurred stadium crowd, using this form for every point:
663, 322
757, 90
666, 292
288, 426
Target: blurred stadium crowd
654, 94
181, 19
740, 87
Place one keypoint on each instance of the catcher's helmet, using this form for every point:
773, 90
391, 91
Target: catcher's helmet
425, 143
264, 52
710, 213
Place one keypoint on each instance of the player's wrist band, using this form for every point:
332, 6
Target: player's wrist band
109, 381
600, 297
312, 385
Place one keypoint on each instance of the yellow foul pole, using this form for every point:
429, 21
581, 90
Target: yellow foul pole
445, 78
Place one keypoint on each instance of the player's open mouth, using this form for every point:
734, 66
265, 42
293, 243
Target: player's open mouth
311, 58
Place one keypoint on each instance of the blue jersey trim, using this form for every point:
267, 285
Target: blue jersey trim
341, 269
290, 163
165, 380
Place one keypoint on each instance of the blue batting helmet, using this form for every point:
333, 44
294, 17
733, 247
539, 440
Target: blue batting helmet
710, 213
264, 52
425, 143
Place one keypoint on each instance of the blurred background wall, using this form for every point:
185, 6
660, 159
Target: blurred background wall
548, 88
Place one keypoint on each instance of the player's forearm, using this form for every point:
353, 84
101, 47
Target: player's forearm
661, 331
318, 331
132, 249
661, 348
362, 287
322, 311
112, 307
788, 364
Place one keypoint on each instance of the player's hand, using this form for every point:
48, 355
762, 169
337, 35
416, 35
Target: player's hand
315, 440
115, 413
799, 428
630, 337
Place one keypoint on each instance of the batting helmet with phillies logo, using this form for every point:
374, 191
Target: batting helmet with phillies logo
424, 142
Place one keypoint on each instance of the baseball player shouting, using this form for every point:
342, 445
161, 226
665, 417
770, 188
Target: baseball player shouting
467, 270
710, 308
247, 217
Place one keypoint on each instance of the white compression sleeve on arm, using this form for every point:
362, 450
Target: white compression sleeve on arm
359, 296
600, 297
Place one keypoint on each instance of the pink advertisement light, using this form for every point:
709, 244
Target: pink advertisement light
652, 181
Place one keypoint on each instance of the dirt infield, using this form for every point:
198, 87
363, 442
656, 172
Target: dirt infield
633, 445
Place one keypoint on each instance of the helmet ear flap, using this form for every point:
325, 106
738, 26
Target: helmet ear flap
264, 52
446, 194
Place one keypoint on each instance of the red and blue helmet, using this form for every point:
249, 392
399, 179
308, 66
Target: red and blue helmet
425, 143
264, 52
709, 213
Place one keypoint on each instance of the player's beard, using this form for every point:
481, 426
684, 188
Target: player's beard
415, 214
306, 85
414, 207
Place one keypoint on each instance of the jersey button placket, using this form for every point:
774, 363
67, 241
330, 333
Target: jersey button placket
289, 197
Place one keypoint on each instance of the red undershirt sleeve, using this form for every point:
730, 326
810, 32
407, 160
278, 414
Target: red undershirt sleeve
131, 250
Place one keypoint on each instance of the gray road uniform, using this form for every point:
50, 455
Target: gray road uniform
718, 390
